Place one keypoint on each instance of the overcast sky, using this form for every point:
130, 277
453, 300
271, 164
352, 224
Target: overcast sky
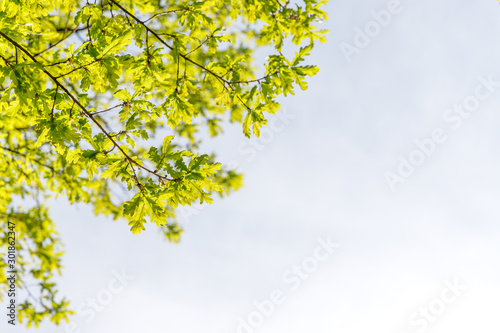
377, 156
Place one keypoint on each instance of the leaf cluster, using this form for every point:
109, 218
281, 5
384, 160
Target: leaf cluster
106, 103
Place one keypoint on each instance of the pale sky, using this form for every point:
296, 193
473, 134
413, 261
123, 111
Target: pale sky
420, 258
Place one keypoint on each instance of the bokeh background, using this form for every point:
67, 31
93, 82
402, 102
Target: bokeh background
320, 173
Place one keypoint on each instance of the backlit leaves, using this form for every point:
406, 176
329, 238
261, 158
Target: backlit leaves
106, 103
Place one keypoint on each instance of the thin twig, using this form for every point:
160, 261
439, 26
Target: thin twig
25, 156
169, 12
111, 108
196, 48
80, 67
58, 42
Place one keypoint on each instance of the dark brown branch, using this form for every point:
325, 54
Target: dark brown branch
7, 62
58, 63
148, 56
177, 80
76, 29
279, 3
53, 105
137, 182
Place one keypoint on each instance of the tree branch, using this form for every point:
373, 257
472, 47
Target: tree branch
57, 43
84, 110
111, 108
169, 12
21, 154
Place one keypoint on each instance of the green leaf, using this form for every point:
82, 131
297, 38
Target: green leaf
118, 43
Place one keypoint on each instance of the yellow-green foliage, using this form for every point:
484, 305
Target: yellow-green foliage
86, 86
